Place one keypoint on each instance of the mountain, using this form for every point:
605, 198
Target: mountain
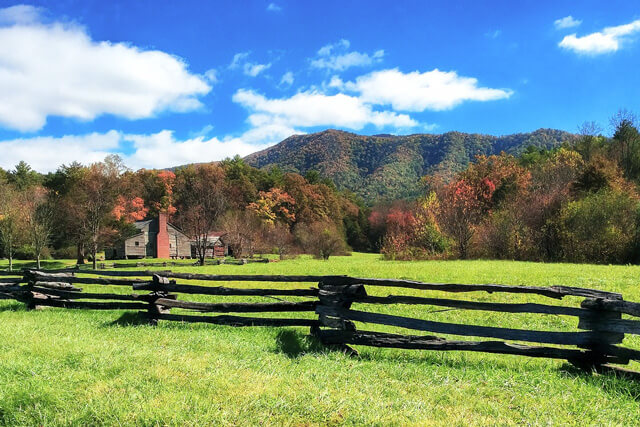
385, 166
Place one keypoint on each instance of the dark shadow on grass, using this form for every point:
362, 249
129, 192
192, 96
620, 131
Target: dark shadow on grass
130, 318
14, 306
614, 383
295, 344
45, 265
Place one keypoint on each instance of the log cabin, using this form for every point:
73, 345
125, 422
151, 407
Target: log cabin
157, 238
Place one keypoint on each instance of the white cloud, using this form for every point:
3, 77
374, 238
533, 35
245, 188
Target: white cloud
610, 39
566, 22
46, 153
57, 70
251, 69
162, 150
273, 7
336, 57
308, 109
20, 14
238, 58
432, 90
157, 150
287, 79
212, 76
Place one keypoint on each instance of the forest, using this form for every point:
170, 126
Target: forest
77, 211
576, 202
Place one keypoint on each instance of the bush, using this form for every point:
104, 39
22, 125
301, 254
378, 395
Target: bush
599, 228
24, 252
321, 239
69, 252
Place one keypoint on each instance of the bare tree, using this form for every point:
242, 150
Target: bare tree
38, 214
244, 231
281, 238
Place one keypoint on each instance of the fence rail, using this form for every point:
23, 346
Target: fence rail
594, 345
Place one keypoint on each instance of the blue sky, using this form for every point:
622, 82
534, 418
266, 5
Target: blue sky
164, 83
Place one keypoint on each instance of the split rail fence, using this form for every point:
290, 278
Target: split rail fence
216, 261
332, 319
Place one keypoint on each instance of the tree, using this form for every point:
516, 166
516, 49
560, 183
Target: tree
322, 239
11, 221
590, 141
24, 177
69, 220
281, 238
200, 201
99, 190
38, 213
626, 143
243, 232
274, 205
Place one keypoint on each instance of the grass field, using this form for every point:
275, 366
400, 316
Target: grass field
66, 367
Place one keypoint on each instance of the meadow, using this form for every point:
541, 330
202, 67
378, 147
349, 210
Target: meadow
78, 367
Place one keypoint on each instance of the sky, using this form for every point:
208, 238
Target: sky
166, 83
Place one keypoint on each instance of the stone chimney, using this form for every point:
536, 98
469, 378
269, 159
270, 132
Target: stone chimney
162, 238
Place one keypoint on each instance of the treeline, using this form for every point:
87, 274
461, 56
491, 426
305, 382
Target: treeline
576, 203
78, 210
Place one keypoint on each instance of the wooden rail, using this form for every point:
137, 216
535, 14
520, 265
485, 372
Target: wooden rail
593, 345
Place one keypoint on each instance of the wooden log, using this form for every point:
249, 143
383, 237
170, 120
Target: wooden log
88, 295
219, 290
243, 278
622, 352
36, 274
57, 285
548, 337
122, 273
238, 320
90, 304
622, 326
12, 280
473, 305
336, 323
417, 342
91, 280
238, 307
620, 306
552, 291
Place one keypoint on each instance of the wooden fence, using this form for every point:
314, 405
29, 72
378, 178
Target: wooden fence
216, 261
594, 345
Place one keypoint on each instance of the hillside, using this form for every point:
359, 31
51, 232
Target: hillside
386, 166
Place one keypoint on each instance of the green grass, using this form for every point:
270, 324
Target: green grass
66, 367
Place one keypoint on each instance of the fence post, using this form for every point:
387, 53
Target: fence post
598, 349
335, 293
158, 292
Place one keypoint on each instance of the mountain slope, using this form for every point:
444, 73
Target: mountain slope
389, 167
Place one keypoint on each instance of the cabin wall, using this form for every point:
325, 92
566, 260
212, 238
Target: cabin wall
135, 246
179, 244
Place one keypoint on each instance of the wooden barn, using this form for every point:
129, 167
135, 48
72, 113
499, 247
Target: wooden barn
216, 247
157, 239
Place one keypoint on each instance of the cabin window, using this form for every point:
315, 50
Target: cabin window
137, 243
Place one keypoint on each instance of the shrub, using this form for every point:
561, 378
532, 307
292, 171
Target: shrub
599, 228
321, 239
69, 252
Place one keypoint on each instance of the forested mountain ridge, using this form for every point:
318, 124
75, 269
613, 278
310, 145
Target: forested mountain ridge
389, 167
